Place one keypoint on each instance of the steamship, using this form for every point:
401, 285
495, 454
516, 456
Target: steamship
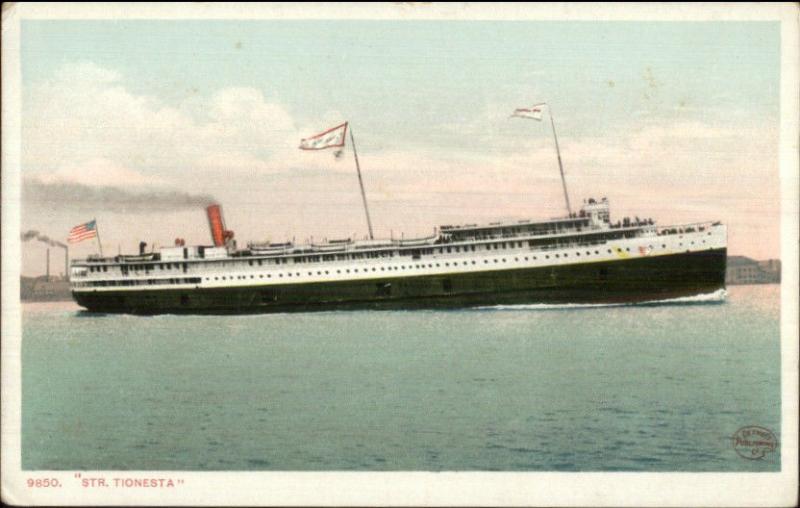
582, 257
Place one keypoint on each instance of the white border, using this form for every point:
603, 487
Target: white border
393, 489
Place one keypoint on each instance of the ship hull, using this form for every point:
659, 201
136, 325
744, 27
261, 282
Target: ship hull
633, 280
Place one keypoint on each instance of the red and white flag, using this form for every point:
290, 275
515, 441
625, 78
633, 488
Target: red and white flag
534, 112
331, 138
83, 232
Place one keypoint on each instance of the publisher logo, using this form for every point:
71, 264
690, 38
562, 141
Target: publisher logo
753, 442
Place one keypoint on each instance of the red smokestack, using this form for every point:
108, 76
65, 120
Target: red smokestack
216, 224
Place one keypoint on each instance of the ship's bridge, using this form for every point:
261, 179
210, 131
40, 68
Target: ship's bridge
596, 211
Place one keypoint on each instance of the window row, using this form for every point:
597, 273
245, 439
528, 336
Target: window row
138, 282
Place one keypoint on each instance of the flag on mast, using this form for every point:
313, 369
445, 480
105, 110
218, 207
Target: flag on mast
534, 112
335, 138
331, 138
83, 232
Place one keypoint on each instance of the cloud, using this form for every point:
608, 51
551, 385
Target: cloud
99, 172
85, 114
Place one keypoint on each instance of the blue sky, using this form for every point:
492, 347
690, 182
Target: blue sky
677, 120
402, 77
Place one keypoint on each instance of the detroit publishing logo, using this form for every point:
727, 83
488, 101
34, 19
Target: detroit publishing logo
753, 442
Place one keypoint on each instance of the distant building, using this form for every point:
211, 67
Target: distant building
44, 289
743, 270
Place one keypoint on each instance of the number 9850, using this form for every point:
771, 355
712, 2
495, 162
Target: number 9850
43, 482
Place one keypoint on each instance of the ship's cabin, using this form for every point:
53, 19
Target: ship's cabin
593, 215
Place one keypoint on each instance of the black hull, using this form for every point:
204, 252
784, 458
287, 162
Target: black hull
624, 281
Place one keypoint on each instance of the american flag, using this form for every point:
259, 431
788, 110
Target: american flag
82, 232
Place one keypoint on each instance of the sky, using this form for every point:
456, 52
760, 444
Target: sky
139, 124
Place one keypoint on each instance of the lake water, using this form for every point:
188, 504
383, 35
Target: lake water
626, 388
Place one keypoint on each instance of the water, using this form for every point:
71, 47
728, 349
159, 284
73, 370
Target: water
622, 388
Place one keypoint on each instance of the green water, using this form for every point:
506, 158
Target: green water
638, 388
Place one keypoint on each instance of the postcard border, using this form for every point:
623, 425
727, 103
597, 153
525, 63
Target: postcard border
394, 489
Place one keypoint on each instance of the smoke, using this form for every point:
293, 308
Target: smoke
79, 197
35, 235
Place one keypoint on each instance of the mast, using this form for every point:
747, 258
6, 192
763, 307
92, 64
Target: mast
361, 184
560, 165
97, 237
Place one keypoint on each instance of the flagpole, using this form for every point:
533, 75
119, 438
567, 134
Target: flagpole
560, 165
361, 184
97, 236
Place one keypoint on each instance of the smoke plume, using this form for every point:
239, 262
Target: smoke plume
35, 235
75, 196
